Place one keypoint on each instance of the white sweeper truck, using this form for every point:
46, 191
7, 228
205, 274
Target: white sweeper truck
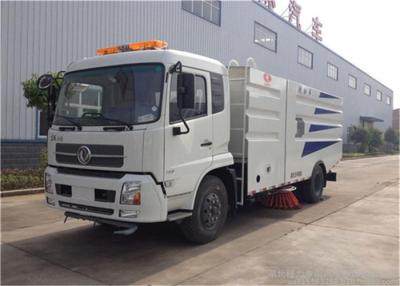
141, 133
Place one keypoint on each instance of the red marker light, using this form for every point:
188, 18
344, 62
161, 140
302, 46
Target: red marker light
267, 78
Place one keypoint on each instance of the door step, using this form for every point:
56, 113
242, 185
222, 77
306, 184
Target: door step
178, 215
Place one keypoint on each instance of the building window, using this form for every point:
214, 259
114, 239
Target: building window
41, 124
265, 37
379, 95
208, 10
305, 57
217, 92
352, 81
333, 71
367, 89
388, 100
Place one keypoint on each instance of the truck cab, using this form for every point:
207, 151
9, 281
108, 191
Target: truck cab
124, 147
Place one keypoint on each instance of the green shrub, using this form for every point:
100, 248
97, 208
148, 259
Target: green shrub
42, 161
367, 139
360, 136
12, 179
375, 139
392, 136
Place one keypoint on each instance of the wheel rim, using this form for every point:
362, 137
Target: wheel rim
211, 210
318, 183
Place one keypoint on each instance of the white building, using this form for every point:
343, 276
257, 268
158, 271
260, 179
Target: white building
37, 37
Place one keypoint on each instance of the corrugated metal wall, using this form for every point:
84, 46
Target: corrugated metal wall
46, 36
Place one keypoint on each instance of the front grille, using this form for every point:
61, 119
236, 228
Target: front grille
86, 208
101, 155
91, 173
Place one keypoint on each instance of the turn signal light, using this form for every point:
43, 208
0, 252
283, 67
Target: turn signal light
137, 198
138, 46
130, 193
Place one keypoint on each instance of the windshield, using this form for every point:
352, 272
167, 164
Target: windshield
121, 95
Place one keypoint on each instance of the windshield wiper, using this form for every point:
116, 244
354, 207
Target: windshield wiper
69, 119
100, 115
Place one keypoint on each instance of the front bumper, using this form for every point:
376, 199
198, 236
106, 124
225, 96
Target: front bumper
81, 200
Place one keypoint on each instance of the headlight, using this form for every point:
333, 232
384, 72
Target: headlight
130, 193
48, 183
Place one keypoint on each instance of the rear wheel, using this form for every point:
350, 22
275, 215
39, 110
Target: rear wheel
311, 190
209, 213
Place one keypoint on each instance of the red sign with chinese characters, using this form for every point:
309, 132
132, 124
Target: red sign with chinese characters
294, 13
316, 29
270, 4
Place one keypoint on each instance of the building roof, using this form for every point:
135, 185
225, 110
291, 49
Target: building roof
371, 119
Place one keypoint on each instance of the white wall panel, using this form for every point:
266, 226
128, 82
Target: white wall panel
4, 69
47, 36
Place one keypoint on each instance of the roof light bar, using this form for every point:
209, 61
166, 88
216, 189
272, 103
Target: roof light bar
138, 46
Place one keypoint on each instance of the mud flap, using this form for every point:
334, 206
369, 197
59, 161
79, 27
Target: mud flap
331, 176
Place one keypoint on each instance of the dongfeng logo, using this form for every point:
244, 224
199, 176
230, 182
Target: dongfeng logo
84, 155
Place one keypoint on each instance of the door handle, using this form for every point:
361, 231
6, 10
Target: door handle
206, 143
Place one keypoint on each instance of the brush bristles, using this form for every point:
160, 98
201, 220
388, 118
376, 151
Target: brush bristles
282, 200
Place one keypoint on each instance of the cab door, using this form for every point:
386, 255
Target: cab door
187, 156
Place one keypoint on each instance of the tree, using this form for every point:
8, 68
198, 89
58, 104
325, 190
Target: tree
375, 139
392, 136
36, 97
368, 139
359, 135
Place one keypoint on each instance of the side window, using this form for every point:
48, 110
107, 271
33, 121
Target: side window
217, 92
200, 100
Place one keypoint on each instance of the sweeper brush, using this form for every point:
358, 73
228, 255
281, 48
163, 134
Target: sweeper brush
282, 199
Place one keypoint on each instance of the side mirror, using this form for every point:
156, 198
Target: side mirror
45, 81
48, 82
185, 91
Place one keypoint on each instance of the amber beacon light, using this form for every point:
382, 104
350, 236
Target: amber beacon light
138, 46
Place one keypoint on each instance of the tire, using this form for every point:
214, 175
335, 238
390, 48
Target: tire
299, 190
209, 213
311, 190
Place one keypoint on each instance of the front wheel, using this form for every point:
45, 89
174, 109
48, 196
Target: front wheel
209, 213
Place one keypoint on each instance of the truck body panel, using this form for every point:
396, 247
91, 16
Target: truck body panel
280, 129
314, 130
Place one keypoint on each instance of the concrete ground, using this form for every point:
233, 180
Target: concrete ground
351, 237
